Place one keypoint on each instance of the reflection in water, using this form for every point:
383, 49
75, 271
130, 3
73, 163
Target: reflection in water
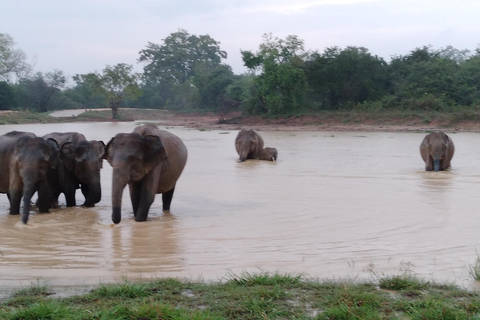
335, 205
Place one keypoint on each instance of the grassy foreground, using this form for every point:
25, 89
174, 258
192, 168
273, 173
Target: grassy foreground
251, 296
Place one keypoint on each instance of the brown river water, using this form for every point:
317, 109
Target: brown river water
336, 205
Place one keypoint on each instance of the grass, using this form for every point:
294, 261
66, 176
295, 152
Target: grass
251, 296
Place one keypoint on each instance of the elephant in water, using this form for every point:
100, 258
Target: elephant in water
249, 145
437, 151
150, 161
79, 167
269, 154
25, 160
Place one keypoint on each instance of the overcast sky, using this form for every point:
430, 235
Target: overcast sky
81, 36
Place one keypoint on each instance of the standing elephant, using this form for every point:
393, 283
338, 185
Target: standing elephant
79, 166
150, 161
25, 160
249, 145
437, 151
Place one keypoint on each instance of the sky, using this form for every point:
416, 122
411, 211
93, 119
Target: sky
82, 36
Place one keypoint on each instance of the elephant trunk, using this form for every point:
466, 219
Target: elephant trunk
436, 165
118, 184
93, 194
27, 196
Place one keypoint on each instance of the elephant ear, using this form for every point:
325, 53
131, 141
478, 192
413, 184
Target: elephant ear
67, 155
154, 152
109, 151
52, 158
81, 150
98, 148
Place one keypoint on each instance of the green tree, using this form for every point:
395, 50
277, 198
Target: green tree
427, 79
12, 61
345, 77
115, 84
42, 91
281, 86
85, 91
7, 96
170, 68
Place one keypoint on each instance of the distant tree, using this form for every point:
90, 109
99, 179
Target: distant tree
170, 68
427, 79
86, 91
281, 86
40, 92
7, 96
347, 76
115, 84
12, 61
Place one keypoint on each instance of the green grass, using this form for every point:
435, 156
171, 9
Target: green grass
251, 296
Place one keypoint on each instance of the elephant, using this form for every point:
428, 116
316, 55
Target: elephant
80, 161
249, 145
269, 154
26, 160
150, 161
437, 151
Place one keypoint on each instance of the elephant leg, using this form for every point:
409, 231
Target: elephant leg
15, 197
146, 199
43, 201
167, 199
135, 195
69, 192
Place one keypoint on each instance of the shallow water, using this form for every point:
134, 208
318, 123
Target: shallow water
344, 205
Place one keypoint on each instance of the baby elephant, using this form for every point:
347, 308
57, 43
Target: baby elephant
437, 150
249, 145
269, 154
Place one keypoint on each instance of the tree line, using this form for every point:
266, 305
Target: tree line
186, 72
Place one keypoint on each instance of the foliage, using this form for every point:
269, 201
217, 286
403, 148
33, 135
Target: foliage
12, 61
249, 296
41, 92
185, 72
114, 83
281, 86
7, 96
338, 77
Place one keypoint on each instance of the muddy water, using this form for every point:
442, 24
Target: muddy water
335, 205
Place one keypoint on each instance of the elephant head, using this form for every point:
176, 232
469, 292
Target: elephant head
84, 159
248, 144
437, 151
31, 160
132, 156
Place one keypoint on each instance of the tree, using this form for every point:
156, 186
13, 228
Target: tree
12, 61
115, 84
281, 86
171, 67
7, 96
349, 76
40, 91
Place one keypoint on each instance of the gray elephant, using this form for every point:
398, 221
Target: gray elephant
150, 161
25, 160
249, 145
269, 154
79, 166
437, 151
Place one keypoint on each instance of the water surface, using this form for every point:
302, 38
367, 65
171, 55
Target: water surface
336, 205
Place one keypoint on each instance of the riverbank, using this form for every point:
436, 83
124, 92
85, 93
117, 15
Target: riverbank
387, 121
258, 296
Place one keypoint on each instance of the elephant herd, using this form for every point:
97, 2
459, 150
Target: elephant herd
148, 159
